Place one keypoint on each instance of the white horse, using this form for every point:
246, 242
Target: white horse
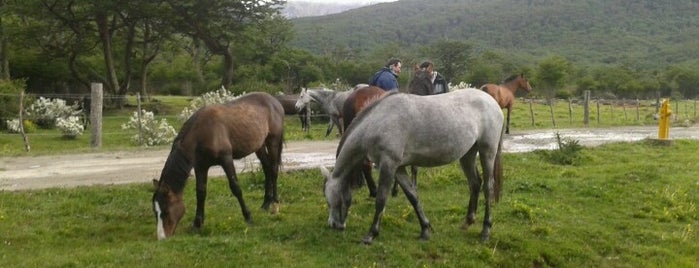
401, 130
330, 102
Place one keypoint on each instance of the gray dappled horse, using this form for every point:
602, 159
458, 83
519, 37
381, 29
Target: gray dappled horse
330, 102
401, 130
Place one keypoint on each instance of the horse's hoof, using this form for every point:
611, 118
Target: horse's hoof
485, 236
425, 236
367, 240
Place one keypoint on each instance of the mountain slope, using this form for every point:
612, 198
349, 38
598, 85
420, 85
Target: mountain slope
641, 32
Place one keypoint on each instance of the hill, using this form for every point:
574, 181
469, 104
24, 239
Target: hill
299, 9
643, 33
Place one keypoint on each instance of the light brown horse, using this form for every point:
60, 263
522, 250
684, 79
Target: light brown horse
215, 135
504, 94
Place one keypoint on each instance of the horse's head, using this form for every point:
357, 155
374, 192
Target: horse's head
339, 197
168, 208
422, 81
524, 83
304, 98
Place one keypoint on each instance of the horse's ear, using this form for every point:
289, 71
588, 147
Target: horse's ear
416, 68
522, 75
155, 184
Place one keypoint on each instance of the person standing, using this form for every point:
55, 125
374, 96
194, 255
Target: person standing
387, 77
440, 84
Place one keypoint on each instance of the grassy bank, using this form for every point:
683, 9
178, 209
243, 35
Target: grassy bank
619, 205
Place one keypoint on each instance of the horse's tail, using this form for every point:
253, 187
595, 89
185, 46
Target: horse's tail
497, 168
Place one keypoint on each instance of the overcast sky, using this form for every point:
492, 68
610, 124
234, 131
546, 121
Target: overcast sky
342, 1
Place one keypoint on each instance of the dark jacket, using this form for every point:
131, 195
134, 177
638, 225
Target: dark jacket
440, 85
385, 79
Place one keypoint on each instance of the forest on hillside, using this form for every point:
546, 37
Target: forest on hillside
644, 34
616, 49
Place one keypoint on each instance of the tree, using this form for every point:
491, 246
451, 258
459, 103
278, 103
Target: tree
551, 74
219, 23
451, 58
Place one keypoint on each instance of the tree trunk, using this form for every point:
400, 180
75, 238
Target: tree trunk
4, 53
106, 39
227, 77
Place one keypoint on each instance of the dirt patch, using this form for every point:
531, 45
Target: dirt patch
71, 170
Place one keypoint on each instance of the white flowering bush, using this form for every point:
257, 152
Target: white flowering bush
212, 97
45, 111
460, 86
13, 125
70, 126
152, 132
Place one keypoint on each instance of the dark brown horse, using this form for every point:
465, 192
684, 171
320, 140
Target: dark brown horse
421, 84
215, 135
504, 93
289, 104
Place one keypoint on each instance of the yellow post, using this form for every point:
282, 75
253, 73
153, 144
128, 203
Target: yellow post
664, 121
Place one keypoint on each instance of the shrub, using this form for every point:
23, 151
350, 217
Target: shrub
568, 152
213, 97
152, 132
45, 111
70, 126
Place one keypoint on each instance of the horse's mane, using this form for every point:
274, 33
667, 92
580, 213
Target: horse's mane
177, 165
511, 78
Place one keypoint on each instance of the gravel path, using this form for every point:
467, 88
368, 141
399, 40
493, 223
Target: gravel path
71, 170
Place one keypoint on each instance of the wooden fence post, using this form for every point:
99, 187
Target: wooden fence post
598, 112
570, 111
96, 115
586, 103
531, 110
140, 115
27, 147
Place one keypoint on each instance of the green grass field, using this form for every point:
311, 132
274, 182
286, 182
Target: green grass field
620, 205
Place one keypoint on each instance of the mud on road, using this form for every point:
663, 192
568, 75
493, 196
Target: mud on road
138, 166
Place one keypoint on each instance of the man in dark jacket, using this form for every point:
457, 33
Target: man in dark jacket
387, 77
440, 85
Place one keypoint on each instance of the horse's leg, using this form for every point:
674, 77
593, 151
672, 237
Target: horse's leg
487, 164
468, 166
330, 127
302, 118
413, 175
366, 171
386, 175
229, 169
507, 128
411, 193
201, 177
270, 166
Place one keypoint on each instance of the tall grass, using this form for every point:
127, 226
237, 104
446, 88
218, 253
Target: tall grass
621, 205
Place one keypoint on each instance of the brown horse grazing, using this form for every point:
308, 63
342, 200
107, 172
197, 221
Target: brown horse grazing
215, 135
504, 94
355, 103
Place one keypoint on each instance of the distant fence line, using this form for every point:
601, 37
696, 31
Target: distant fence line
578, 110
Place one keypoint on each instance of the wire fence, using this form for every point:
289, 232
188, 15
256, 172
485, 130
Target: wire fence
541, 113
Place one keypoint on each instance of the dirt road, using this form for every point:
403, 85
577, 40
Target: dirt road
71, 170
